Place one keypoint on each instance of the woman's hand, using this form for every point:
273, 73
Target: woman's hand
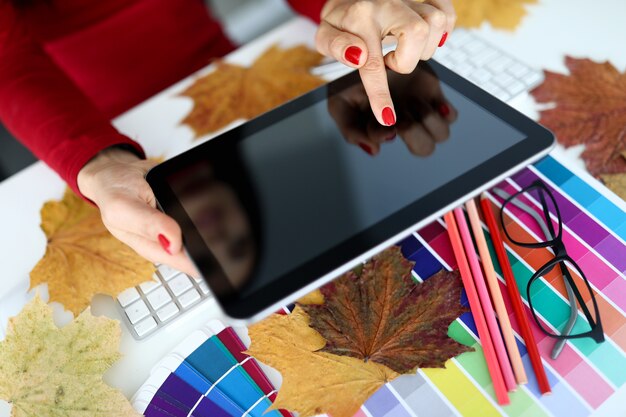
351, 31
114, 181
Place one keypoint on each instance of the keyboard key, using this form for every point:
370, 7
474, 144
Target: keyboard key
197, 279
137, 311
483, 57
517, 70
148, 286
128, 296
159, 298
464, 69
532, 78
204, 287
498, 65
480, 76
503, 79
145, 326
515, 87
474, 47
189, 298
180, 284
167, 312
167, 272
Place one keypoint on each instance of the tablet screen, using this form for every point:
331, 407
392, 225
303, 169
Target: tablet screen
267, 202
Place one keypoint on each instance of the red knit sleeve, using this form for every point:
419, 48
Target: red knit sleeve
309, 8
44, 109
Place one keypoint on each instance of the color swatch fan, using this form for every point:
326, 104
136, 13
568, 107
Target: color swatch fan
207, 375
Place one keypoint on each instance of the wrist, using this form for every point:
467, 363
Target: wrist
104, 159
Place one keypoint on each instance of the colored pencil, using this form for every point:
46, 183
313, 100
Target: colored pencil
496, 295
485, 302
483, 331
516, 299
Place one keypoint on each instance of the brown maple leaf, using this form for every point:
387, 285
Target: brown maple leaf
616, 182
380, 314
233, 92
590, 109
82, 258
501, 14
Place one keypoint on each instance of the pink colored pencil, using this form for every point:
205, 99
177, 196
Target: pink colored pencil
483, 331
496, 295
485, 301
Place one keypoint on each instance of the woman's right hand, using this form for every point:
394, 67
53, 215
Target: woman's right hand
115, 181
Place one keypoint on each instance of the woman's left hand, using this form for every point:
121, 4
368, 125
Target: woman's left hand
351, 31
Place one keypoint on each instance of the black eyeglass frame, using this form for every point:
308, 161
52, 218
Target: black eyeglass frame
560, 258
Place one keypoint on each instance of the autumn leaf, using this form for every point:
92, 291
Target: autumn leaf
314, 382
233, 92
501, 14
52, 372
590, 109
82, 258
381, 315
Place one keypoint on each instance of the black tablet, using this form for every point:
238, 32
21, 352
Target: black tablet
282, 204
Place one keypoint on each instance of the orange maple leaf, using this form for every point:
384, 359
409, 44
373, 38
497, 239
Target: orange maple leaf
233, 92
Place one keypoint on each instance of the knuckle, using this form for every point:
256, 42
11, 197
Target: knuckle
357, 12
374, 65
437, 19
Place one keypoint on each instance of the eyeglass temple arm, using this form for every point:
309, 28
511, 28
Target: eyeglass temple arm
573, 312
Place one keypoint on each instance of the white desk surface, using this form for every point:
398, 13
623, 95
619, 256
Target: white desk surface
552, 29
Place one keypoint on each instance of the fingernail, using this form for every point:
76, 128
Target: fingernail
165, 243
388, 117
444, 110
353, 54
443, 39
366, 148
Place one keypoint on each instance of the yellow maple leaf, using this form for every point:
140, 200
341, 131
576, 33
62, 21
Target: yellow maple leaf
233, 92
287, 343
82, 258
501, 14
52, 372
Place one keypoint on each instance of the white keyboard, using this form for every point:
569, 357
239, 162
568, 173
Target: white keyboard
495, 71
154, 304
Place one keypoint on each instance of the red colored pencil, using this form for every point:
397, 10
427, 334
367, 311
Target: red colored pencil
477, 311
514, 295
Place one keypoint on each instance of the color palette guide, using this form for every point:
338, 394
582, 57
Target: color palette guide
208, 375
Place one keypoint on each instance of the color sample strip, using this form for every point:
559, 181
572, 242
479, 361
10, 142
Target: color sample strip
215, 363
420, 396
579, 222
574, 403
607, 362
598, 205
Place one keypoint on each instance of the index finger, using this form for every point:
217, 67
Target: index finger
374, 76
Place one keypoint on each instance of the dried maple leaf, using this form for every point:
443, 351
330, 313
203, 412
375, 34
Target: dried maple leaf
82, 258
47, 371
313, 382
501, 14
232, 92
590, 109
379, 314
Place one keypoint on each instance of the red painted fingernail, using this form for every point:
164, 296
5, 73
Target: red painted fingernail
366, 148
353, 54
388, 117
165, 243
443, 39
444, 110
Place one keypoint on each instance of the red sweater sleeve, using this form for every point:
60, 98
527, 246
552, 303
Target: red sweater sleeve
309, 8
44, 109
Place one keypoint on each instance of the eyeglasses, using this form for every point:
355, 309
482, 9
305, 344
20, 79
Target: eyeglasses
546, 224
